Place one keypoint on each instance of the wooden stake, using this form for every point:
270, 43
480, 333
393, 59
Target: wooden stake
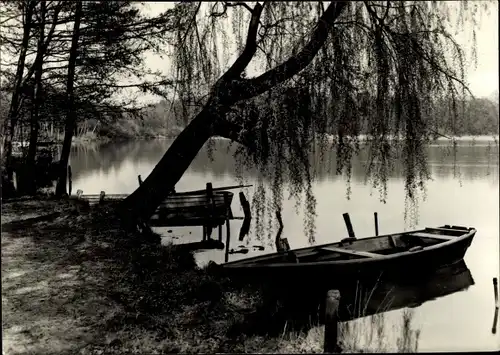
375, 215
245, 227
245, 205
495, 290
348, 224
280, 244
228, 228
495, 321
331, 321
139, 179
211, 209
70, 180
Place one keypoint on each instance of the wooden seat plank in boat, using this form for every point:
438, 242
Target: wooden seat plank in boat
434, 236
447, 230
350, 252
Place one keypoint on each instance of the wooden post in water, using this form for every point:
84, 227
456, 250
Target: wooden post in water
495, 321
139, 179
228, 227
101, 197
211, 209
70, 180
348, 224
331, 321
245, 227
375, 215
245, 205
495, 290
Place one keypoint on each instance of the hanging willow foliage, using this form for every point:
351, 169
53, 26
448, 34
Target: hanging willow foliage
383, 69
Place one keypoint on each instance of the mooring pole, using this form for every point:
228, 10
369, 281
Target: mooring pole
228, 227
331, 321
495, 321
495, 290
70, 180
101, 197
348, 224
375, 215
211, 209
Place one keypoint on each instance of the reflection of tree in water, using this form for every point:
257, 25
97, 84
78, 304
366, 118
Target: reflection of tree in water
467, 161
376, 334
471, 160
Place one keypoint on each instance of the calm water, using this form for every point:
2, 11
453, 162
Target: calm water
466, 194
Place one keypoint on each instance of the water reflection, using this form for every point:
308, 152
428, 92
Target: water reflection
465, 193
366, 308
469, 162
370, 298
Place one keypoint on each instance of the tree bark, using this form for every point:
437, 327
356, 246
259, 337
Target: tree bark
34, 122
142, 203
70, 115
11, 121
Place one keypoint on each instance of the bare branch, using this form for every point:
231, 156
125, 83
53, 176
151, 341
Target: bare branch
298, 62
250, 47
228, 4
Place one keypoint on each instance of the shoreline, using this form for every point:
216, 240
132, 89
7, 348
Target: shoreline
74, 280
482, 139
106, 291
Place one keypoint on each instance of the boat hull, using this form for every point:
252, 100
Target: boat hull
405, 265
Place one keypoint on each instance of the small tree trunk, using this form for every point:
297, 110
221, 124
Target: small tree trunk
34, 123
11, 121
71, 115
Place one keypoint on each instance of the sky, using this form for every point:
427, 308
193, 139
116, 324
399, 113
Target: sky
483, 79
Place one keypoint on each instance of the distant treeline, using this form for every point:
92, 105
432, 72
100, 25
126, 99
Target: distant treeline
163, 120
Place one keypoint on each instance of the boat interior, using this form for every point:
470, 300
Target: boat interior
373, 247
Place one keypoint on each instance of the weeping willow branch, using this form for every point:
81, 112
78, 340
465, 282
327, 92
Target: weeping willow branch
250, 47
379, 69
298, 62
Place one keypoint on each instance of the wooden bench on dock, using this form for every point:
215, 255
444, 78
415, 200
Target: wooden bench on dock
208, 208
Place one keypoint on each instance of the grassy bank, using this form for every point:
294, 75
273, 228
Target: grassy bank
78, 282
74, 281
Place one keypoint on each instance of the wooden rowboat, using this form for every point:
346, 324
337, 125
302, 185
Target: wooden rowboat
398, 254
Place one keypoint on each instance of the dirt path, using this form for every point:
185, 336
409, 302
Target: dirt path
45, 309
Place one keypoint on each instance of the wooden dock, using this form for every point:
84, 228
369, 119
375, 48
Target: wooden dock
209, 208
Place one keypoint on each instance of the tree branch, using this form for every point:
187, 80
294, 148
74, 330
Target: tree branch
43, 49
236, 133
273, 77
250, 47
239, 3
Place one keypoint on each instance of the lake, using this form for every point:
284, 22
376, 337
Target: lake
464, 190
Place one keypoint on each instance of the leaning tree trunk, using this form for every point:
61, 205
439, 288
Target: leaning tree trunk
142, 203
70, 113
231, 88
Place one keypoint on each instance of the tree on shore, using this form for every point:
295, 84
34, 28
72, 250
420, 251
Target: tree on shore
111, 42
318, 60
